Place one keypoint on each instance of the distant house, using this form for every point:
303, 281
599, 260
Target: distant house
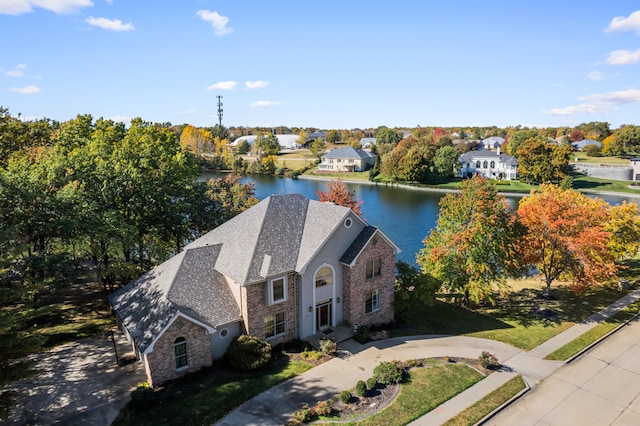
287, 268
490, 164
367, 143
346, 159
285, 141
494, 142
635, 167
580, 145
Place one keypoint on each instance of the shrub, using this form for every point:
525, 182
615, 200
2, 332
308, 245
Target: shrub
328, 346
345, 397
308, 414
248, 353
311, 354
361, 388
488, 360
362, 334
388, 372
322, 408
142, 396
372, 383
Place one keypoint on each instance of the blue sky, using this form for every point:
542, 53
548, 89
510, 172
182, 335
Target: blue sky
330, 64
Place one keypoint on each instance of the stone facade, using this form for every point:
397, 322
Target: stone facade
160, 364
255, 309
357, 288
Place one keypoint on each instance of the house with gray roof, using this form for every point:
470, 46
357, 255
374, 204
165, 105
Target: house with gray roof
493, 142
346, 159
490, 164
287, 268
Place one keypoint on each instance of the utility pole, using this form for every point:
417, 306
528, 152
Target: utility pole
219, 110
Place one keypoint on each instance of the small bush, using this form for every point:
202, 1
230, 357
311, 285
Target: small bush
311, 354
361, 388
345, 397
308, 414
248, 353
388, 372
328, 346
372, 383
362, 334
322, 408
142, 396
488, 360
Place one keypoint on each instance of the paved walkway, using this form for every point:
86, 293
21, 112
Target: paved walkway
276, 406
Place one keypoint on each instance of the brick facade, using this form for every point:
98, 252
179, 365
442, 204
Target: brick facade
357, 288
160, 364
255, 309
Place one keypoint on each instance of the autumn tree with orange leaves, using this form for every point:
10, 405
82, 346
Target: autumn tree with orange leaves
474, 246
340, 195
573, 237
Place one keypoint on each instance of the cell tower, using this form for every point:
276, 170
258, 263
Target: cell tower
219, 109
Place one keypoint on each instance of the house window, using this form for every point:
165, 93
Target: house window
274, 325
180, 351
484, 164
277, 290
324, 276
372, 303
478, 164
373, 268
493, 164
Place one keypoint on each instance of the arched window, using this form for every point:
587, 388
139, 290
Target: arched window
478, 164
484, 164
324, 276
180, 351
493, 164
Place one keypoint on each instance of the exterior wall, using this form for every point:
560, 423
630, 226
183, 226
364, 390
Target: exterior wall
329, 254
606, 172
635, 167
255, 310
220, 341
357, 288
506, 170
160, 364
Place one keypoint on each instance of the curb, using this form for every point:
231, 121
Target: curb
505, 404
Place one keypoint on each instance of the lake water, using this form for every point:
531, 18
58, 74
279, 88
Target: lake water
406, 215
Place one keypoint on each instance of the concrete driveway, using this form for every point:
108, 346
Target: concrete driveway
79, 384
601, 387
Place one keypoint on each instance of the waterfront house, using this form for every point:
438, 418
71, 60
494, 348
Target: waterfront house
287, 268
490, 164
346, 159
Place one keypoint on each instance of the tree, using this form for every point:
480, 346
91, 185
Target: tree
411, 285
385, 135
302, 138
540, 161
195, 140
473, 247
318, 147
446, 160
629, 137
624, 226
566, 237
519, 137
339, 194
576, 136
266, 145
333, 136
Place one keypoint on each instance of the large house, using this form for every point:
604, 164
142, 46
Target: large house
346, 159
490, 164
287, 268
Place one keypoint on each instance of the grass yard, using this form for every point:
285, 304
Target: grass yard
524, 319
584, 158
201, 399
425, 389
357, 176
592, 335
486, 405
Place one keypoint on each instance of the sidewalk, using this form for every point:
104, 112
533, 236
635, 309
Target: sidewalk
276, 406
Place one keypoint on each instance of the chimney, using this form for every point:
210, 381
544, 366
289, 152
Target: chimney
498, 151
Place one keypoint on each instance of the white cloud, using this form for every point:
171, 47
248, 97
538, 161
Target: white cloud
18, 71
600, 102
623, 57
265, 104
120, 119
223, 85
256, 84
620, 23
596, 75
27, 90
217, 21
110, 24
18, 7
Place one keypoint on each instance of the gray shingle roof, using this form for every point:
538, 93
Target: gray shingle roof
480, 155
358, 244
348, 152
280, 234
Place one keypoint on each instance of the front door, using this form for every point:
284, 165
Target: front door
323, 315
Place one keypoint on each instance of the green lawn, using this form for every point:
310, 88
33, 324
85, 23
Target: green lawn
203, 399
584, 158
515, 320
486, 405
424, 390
592, 335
